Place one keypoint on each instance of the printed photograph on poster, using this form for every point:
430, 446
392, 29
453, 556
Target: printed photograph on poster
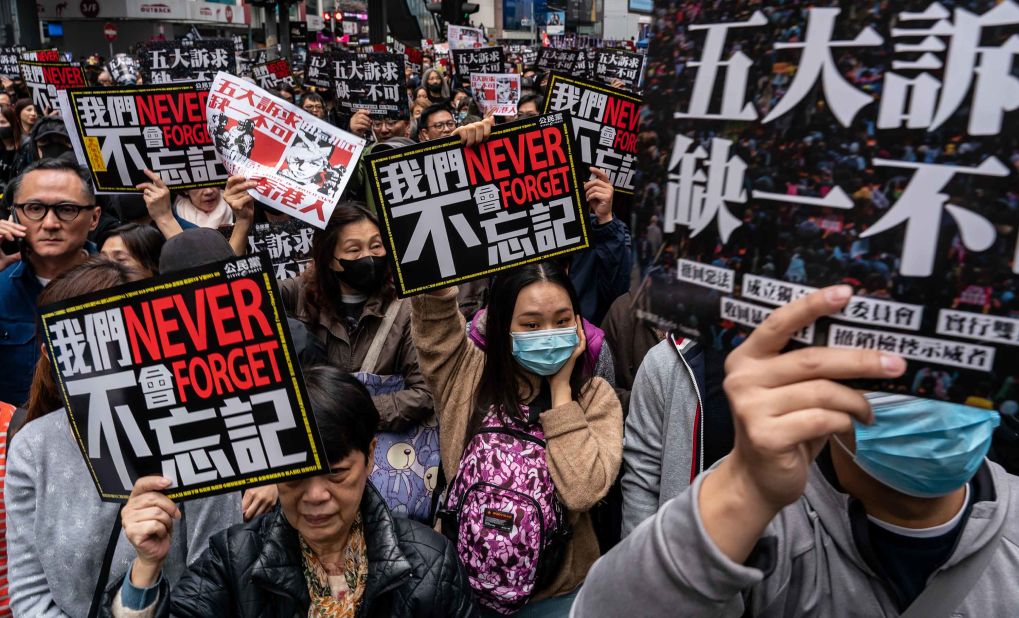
556, 59
45, 79
118, 132
192, 376
301, 163
373, 82
165, 62
272, 74
123, 69
482, 60
555, 22
497, 93
9, 57
287, 243
896, 178
451, 214
611, 64
605, 125
464, 37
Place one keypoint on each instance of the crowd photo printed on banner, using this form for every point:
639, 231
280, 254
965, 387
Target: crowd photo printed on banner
301, 163
605, 122
452, 214
117, 133
497, 93
896, 177
191, 376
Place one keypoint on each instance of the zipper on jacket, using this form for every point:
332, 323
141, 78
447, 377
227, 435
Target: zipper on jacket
700, 406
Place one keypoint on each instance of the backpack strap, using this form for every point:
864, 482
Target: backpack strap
372, 357
947, 591
104, 570
18, 420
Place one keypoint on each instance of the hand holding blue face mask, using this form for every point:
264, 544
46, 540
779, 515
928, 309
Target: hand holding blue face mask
922, 447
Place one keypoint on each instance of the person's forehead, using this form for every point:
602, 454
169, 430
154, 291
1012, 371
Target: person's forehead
442, 116
50, 186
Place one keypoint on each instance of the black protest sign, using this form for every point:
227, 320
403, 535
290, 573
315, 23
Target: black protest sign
316, 71
557, 59
192, 376
374, 82
123, 69
272, 74
610, 64
164, 62
46, 79
9, 57
480, 60
299, 32
451, 214
46, 55
119, 132
878, 160
286, 243
605, 123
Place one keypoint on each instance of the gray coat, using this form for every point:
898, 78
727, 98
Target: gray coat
57, 527
669, 566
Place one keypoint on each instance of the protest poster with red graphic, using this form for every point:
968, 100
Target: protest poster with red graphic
497, 93
273, 74
301, 163
192, 376
46, 79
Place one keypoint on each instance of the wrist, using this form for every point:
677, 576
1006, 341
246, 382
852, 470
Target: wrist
145, 573
604, 220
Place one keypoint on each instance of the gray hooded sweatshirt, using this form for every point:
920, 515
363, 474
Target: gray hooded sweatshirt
669, 566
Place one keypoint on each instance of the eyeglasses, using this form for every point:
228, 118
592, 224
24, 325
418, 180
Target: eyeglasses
388, 123
442, 126
65, 211
313, 108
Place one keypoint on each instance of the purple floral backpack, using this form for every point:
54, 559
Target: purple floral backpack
504, 515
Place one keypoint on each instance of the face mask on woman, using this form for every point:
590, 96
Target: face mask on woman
544, 352
435, 88
923, 447
364, 274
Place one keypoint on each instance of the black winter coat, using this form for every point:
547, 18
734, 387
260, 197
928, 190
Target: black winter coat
254, 569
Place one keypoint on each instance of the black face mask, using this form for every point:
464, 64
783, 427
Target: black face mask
363, 274
52, 151
7, 132
435, 88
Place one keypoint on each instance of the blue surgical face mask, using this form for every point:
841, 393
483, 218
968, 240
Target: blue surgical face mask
922, 447
544, 352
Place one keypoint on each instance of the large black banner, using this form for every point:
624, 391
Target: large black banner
452, 214
833, 144
605, 122
373, 82
119, 132
164, 62
480, 60
192, 376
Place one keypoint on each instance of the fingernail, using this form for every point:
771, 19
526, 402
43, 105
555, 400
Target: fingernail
839, 293
892, 364
165, 482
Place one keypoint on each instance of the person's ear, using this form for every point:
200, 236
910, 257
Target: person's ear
96, 213
371, 453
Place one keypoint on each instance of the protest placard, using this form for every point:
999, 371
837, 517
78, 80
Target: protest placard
119, 132
272, 74
46, 79
481, 60
164, 62
46, 55
301, 163
893, 177
316, 70
287, 243
605, 122
464, 37
555, 59
191, 376
9, 57
123, 69
372, 82
610, 64
497, 93
451, 214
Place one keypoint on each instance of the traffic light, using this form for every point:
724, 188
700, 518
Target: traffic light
338, 15
454, 12
326, 16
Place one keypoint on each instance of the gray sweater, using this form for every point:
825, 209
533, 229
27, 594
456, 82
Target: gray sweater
669, 566
659, 431
57, 527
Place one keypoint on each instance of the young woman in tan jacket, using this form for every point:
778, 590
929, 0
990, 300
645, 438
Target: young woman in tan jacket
533, 346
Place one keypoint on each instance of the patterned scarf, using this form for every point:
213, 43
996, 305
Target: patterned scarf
324, 604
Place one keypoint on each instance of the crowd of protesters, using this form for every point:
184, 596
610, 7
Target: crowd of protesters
670, 479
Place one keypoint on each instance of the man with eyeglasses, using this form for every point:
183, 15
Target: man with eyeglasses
53, 211
361, 123
436, 122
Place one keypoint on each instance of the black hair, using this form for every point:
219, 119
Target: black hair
314, 97
144, 242
51, 165
344, 411
537, 99
501, 374
431, 110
